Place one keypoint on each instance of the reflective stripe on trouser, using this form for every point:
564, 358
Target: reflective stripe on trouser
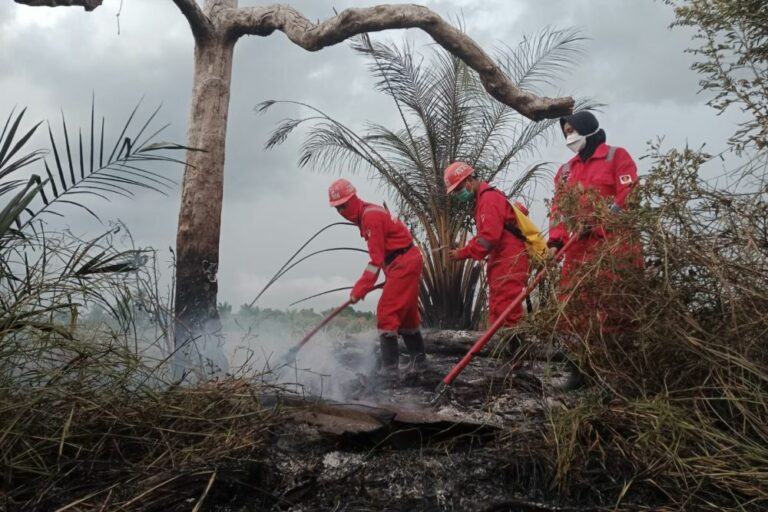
398, 307
507, 276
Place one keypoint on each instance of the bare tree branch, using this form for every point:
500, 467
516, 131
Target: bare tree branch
199, 23
88, 5
263, 21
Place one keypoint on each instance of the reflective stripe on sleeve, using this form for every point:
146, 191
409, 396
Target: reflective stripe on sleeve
372, 209
485, 244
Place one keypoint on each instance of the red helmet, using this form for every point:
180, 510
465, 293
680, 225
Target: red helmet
340, 192
456, 173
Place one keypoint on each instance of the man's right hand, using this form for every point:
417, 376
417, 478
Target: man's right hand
353, 299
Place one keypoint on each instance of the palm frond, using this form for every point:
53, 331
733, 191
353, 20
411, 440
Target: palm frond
10, 145
408, 83
290, 260
334, 147
106, 263
531, 177
541, 59
316, 295
398, 74
454, 104
77, 169
18, 204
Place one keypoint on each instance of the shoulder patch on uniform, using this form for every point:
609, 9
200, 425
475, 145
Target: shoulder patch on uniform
625, 179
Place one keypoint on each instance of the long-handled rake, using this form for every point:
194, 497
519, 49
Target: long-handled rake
290, 357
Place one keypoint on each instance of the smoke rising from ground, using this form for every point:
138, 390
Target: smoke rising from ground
322, 368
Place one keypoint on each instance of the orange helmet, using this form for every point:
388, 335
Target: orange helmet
456, 173
340, 192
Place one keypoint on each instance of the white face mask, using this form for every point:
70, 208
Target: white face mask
576, 141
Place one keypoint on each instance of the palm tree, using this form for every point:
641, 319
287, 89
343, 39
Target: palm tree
446, 116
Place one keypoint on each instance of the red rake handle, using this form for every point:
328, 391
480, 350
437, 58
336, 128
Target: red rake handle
323, 323
483, 340
333, 314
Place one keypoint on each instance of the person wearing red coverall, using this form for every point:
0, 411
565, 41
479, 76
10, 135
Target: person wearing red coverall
498, 239
391, 249
599, 179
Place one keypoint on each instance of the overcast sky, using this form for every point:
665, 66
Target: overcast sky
53, 59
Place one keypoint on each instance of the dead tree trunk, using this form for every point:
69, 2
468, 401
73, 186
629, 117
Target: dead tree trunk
197, 240
216, 28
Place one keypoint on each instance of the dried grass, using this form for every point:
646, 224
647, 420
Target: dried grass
93, 437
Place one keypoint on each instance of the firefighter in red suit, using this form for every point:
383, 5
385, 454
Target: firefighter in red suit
391, 250
598, 181
498, 239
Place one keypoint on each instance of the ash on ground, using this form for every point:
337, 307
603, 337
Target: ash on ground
373, 448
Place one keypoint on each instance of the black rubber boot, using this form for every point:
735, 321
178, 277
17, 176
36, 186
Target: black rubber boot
417, 355
389, 374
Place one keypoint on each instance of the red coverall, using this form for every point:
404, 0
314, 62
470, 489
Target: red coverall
610, 174
390, 247
508, 264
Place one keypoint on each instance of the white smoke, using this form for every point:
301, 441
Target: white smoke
325, 367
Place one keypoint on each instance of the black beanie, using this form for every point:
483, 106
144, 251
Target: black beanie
584, 123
